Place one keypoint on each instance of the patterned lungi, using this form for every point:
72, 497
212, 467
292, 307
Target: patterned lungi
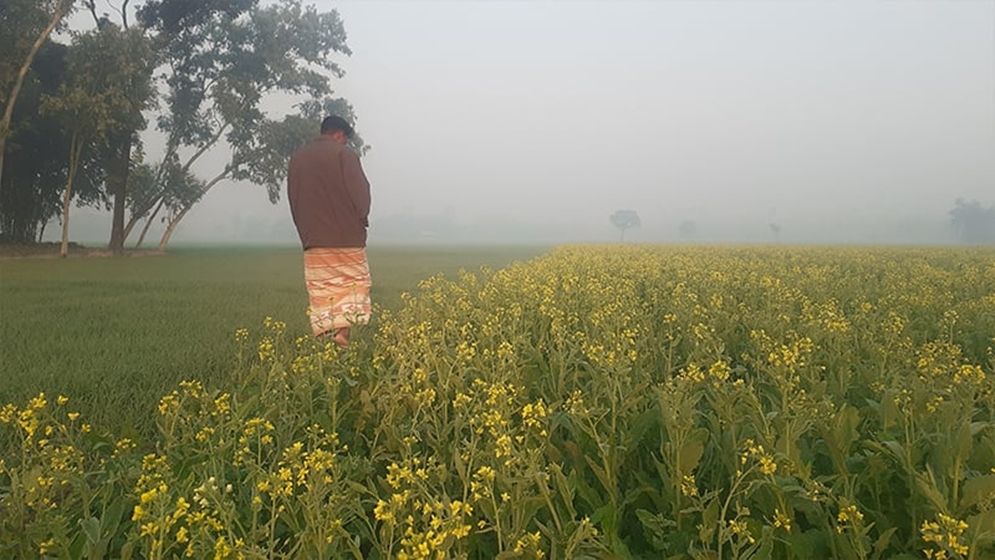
338, 287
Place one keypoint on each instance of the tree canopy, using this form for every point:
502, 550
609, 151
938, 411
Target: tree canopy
973, 222
625, 220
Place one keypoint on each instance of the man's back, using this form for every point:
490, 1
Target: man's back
329, 195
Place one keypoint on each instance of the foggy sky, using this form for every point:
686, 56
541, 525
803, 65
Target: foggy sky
844, 121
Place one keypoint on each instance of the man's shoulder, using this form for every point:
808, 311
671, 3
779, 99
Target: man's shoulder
347, 152
320, 147
305, 147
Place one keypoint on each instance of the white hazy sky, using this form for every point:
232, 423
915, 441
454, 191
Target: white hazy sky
836, 119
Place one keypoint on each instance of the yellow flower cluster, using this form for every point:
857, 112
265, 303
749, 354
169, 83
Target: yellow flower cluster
946, 535
847, 517
782, 521
689, 486
765, 461
741, 530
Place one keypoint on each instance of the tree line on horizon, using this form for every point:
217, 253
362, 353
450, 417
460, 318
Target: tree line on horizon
973, 223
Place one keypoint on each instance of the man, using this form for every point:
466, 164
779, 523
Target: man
330, 202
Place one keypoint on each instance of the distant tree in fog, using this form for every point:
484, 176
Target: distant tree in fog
625, 219
974, 223
776, 230
688, 228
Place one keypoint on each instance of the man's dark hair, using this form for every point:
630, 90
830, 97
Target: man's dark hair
335, 123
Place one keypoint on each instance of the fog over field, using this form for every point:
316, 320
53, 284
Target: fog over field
520, 122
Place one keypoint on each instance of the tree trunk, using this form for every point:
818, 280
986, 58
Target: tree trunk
148, 223
168, 234
170, 151
8, 114
75, 147
117, 183
41, 231
134, 219
137, 216
129, 226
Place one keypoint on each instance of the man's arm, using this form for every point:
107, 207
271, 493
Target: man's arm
292, 191
357, 184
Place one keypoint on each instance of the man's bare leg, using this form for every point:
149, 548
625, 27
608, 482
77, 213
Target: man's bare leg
341, 337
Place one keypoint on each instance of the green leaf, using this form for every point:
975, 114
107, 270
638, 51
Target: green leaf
977, 490
983, 525
890, 413
689, 456
604, 515
359, 488
763, 549
845, 428
655, 523
709, 522
896, 450
884, 541
810, 544
127, 549
91, 528
113, 516
927, 488
641, 426
604, 478
978, 427
586, 493
562, 484
788, 446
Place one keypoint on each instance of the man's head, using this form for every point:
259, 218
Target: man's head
337, 128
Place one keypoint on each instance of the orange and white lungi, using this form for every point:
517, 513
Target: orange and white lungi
338, 287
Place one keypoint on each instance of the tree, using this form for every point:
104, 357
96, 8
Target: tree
97, 104
144, 189
776, 230
136, 61
78, 108
26, 25
974, 223
688, 229
132, 52
625, 219
182, 190
224, 59
33, 180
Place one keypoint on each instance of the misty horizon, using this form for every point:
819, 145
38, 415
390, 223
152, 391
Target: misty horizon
849, 122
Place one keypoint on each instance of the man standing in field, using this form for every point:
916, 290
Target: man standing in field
330, 203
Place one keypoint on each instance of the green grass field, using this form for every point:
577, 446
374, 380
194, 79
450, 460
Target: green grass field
117, 334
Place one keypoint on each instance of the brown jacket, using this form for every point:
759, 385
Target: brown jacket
329, 195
